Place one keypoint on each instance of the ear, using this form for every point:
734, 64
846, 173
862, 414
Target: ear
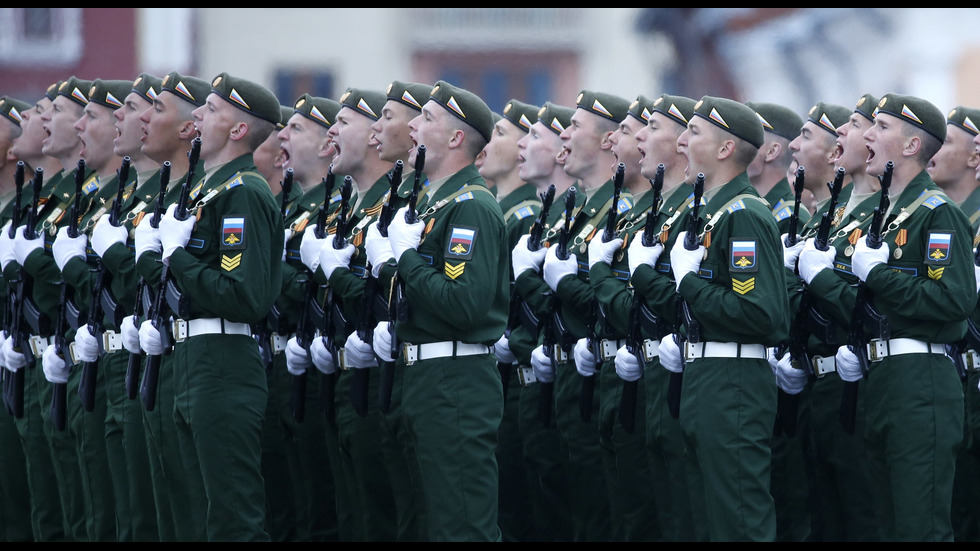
457, 138
726, 149
912, 146
774, 151
606, 142
973, 161
238, 131
187, 130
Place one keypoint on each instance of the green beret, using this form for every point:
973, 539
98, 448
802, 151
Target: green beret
465, 105
523, 115
11, 109
248, 96
322, 111
412, 94
191, 89
964, 118
641, 109
733, 117
366, 102
284, 114
829, 116
76, 90
915, 111
777, 119
866, 106
109, 93
147, 86
607, 106
497, 117
52, 91
555, 117
678, 108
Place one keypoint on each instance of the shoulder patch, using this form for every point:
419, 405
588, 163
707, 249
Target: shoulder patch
743, 255
464, 197
939, 248
933, 202
232, 232
736, 206
235, 183
523, 213
624, 205
462, 240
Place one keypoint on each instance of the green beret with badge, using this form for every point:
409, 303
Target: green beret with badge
248, 96
284, 112
322, 111
191, 89
780, 120
734, 117
11, 109
555, 117
964, 118
366, 102
523, 115
147, 86
412, 94
866, 106
109, 93
76, 90
607, 106
680, 109
829, 116
915, 111
52, 91
464, 105
641, 109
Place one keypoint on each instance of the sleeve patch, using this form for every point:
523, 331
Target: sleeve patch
939, 248
462, 240
454, 271
232, 233
743, 255
230, 262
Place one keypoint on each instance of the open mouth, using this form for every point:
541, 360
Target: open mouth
563, 154
839, 152
871, 154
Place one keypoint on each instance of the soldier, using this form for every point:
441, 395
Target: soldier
455, 291
768, 172
919, 281
226, 266
736, 309
652, 283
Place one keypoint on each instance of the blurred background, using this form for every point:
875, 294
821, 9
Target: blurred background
792, 56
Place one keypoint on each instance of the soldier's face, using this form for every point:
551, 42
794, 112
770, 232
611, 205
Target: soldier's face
657, 143
215, 121
501, 154
300, 142
700, 144
96, 129
28, 145
433, 129
851, 152
161, 127
885, 141
128, 126
624, 144
815, 150
954, 158
391, 133
538, 153
581, 141
269, 159
58, 123
350, 134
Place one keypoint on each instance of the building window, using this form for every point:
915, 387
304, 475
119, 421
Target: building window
50, 37
290, 84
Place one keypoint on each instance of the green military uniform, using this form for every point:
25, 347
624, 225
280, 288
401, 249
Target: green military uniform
230, 273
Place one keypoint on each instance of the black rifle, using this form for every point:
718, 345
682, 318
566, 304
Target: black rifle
857, 339
384, 310
551, 340
634, 338
9, 323
275, 321
794, 220
588, 383
691, 242
530, 319
88, 380
159, 310
820, 241
142, 293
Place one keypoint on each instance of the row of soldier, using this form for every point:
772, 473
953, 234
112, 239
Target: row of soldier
480, 326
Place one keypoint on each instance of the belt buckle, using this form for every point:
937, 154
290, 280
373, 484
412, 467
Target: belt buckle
651, 349
526, 375
37, 345
877, 350
608, 348
111, 341
559, 355
277, 343
972, 360
342, 359
75, 360
410, 352
180, 330
688, 351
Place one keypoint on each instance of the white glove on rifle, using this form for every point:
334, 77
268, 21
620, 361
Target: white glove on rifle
541, 365
297, 358
670, 354
584, 358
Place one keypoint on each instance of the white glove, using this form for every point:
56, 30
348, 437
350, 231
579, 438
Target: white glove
670, 354
309, 248
288, 233
105, 235
865, 258
297, 358
848, 365
174, 234
66, 247
628, 367
55, 368
813, 260
3, 338
791, 254
502, 350
789, 379
377, 248
359, 354
584, 358
6, 247
603, 252
523, 259
321, 356
382, 341
331, 258
13, 360
556, 269
130, 334
976, 276
150, 340
23, 246
683, 261
541, 365
86, 345
638, 254
403, 236
146, 237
